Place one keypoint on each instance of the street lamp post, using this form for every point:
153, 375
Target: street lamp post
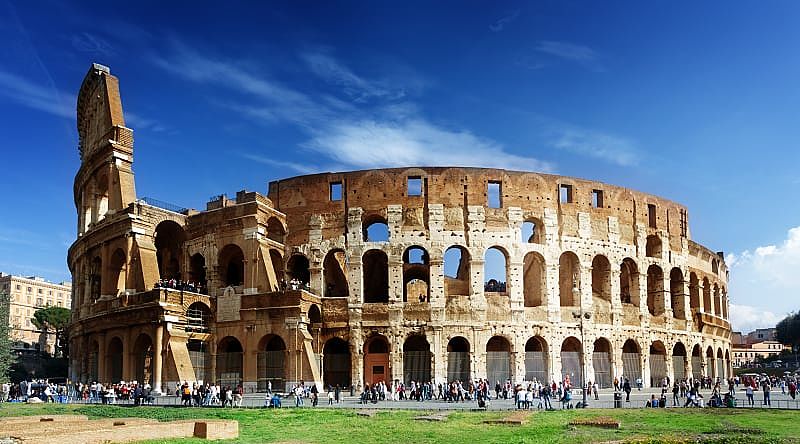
580, 315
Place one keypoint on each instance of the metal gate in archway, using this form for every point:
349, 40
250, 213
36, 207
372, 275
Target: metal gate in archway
658, 369
602, 369
571, 366
631, 366
536, 367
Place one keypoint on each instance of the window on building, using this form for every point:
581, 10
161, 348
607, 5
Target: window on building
19, 287
414, 187
49, 302
493, 192
60, 295
38, 302
60, 304
565, 193
597, 198
40, 291
49, 292
651, 215
336, 191
30, 290
29, 299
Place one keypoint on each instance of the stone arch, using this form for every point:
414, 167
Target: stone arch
569, 279
679, 360
197, 271
694, 291
676, 289
314, 314
114, 360
375, 228
655, 290
276, 259
143, 359
536, 360
532, 231
697, 362
231, 265
601, 283
95, 278
336, 363
333, 269
376, 359
710, 363
271, 365
722, 372
117, 272
230, 354
572, 361
297, 269
601, 360
717, 301
101, 205
725, 308
93, 360
416, 359
457, 271
533, 275
631, 361
198, 317
653, 246
658, 363
275, 230
416, 274
494, 279
199, 355
629, 282
169, 239
715, 266
375, 277
707, 307
498, 359
458, 359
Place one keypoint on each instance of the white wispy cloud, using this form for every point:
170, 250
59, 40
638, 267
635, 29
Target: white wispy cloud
580, 54
357, 87
767, 280
30, 94
591, 143
501, 23
91, 44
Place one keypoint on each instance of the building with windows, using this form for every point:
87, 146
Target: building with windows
746, 355
26, 295
351, 278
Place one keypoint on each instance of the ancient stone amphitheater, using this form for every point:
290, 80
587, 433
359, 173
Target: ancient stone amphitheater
394, 274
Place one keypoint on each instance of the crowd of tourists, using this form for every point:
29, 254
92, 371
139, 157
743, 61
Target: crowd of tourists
177, 284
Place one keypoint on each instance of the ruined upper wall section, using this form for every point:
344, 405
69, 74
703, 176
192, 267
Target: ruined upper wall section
100, 117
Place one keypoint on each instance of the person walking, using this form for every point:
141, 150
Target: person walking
676, 389
626, 387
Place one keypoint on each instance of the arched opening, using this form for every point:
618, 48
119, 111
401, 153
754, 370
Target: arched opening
707, 307
198, 318
532, 231
629, 282
677, 296
697, 362
694, 292
314, 315
533, 275
536, 362
601, 360
116, 273
715, 266
416, 359
727, 363
679, 362
275, 230
653, 246
197, 272
601, 283
143, 359
375, 229
92, 362
569, 280
457, 272
229, 362
495, 270
722, 372
200, 358
498, 360
169, 238
276, 259
231, 266
572, 361
655, 290
114, 360
717, 301
95, 278
297, 270
631, 361
724, 296
710, 363
334, 267
458, 362
416, 275
102, 197
376, 360
271, 363
336, 363
658, 363
375, 276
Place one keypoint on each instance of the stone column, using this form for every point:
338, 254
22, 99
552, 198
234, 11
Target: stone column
553, 296
101, 358
158, 358
439, 351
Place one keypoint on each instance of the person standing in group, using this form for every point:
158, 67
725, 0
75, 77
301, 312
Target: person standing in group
748, 390
766, 389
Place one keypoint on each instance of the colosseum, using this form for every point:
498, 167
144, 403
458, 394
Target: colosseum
350, 278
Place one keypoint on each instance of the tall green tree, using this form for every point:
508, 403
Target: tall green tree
52, 319
788, 330
7, 358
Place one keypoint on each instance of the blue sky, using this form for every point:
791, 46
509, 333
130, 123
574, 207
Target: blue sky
693, 101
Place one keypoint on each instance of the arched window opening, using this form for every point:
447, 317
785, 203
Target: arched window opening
536, 362
231, 265
629, 282
102, 198
416, 359
336, 363
297, 268
458, 362
457, 272
95, 278
376, 229
116, 273
495, 270
376, 276
601, 283
416, 275
143, 359
532, 231
710, 363
114, 360
334, 267
92, 361
722, 371
572, 361
655, 290
679, 362
200, 358
694, 292
275, 230
276, 259
676, 292
631, 361
707, 307
658, 364
498, 360
569, 280
198, 318
533, 276
314, 315
717, 301
197, 272
229, 362
653, 246
169, 238
715, 266
601, 360
271, 364
697, 362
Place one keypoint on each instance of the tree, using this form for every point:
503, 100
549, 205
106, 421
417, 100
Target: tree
788, 330
7, 357
55, 319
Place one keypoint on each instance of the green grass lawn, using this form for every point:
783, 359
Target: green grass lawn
345, 426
